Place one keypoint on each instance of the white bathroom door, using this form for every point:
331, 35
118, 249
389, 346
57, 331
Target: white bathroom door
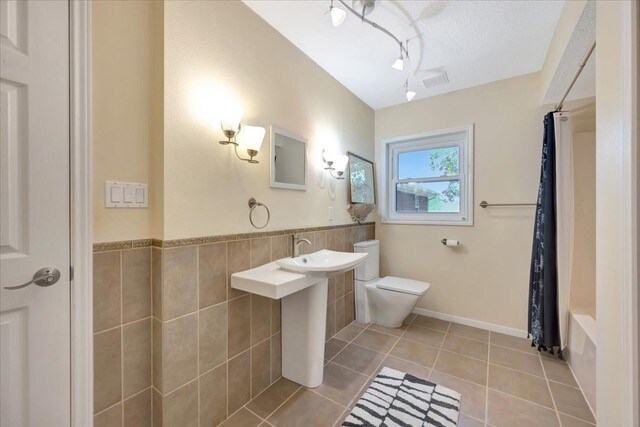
35, 381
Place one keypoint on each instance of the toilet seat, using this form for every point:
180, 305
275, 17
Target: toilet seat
405, 286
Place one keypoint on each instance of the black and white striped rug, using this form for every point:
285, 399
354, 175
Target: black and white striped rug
396, 399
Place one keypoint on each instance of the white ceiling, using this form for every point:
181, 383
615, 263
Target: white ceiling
476, 42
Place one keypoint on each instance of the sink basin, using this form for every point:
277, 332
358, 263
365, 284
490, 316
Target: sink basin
301, 283
271, 281
324, 263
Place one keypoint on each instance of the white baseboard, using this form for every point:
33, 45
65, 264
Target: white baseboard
471, 322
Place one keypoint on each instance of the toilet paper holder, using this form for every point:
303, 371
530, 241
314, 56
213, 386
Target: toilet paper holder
450, 242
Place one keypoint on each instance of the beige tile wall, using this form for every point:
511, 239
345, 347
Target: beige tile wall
179, 344
122, 337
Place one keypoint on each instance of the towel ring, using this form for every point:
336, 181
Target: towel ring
253, 204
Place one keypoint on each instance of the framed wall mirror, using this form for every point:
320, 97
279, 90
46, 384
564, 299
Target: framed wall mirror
362, 180
288, 160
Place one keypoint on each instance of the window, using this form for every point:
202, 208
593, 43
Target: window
429, 178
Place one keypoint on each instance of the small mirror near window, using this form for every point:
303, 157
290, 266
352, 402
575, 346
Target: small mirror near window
362, 182
288, 160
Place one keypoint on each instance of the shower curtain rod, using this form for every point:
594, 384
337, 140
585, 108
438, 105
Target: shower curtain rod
580, 68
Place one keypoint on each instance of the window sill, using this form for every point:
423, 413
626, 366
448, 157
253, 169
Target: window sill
466, 223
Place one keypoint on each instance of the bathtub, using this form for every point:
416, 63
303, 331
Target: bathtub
581, 354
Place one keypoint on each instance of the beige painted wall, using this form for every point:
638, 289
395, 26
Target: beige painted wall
156, 149
583, 279
149, 127
125, 85
487, 278
218, 49
616, 376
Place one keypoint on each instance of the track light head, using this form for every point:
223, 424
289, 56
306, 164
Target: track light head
398, 64
337, 16
408, 93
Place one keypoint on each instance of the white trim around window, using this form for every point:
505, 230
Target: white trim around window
461, 137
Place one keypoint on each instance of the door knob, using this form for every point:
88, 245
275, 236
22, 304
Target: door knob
44, 277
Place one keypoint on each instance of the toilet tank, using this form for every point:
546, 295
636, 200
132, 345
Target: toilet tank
369, 269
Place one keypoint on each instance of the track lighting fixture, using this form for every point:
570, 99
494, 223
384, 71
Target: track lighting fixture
399, 64
337, 15
408, 93
361, 8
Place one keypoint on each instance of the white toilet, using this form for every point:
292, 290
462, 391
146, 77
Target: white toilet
387, 301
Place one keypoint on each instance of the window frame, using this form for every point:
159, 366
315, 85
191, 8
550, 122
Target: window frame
461, 137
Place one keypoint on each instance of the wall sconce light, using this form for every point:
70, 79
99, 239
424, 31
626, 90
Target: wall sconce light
230, 124
251, 140
335, 163
247, 137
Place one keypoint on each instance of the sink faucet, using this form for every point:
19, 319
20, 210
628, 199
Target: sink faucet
297, 240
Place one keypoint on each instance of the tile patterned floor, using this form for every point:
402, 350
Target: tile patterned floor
502, 379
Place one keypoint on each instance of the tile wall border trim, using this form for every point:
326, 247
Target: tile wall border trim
132, 244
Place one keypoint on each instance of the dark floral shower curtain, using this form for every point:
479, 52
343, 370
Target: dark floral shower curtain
544, 329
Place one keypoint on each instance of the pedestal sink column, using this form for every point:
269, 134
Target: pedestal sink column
304, 316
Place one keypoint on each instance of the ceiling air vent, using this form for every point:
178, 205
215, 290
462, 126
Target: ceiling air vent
433, 77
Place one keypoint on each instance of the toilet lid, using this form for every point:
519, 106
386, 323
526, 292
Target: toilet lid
406, 286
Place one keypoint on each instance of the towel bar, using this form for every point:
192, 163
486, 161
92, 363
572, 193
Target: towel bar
484, 204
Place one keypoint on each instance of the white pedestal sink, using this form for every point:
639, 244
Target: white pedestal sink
301, 283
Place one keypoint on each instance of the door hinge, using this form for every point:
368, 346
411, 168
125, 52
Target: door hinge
70, 272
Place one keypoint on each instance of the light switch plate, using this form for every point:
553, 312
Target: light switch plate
125, 195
